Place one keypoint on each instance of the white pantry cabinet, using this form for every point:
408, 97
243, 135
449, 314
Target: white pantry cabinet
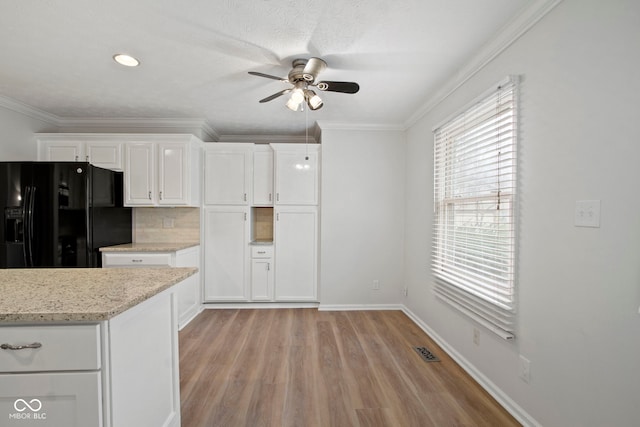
227, 173
262, 175
162, 170
188, 292
296, 253
297, 174
102, 150
226, 261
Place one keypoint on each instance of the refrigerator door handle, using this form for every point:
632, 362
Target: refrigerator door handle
30, 224
25, 221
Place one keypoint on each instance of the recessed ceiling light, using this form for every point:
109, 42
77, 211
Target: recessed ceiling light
126, 60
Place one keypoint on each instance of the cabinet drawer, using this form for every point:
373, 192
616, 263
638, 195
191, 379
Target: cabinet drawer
261, 251
137, 260
62, 348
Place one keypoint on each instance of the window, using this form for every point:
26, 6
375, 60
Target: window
474, 241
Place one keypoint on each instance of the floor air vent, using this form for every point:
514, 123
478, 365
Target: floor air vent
426, 354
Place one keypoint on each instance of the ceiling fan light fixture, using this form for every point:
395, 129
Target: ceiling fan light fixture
126, 60
313, 100
296, 99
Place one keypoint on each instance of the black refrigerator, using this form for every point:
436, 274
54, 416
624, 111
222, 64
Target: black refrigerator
59, 214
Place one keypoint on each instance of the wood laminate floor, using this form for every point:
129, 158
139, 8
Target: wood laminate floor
304, 367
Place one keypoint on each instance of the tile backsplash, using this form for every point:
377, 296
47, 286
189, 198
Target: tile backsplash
165, 225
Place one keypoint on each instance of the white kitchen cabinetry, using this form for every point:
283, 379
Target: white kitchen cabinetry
162, 172
227, 231
119, 372
262, 275
100, 150
227, 173
262, 175
140, 174
296, 253
296, 174
188, 292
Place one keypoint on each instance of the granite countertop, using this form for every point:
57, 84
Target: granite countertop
149, 247
80, 294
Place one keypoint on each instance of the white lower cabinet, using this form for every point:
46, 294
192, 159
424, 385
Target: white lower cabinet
188, 291
51, 399
226, 261
120, 372
262, 273
56, 383
296, 253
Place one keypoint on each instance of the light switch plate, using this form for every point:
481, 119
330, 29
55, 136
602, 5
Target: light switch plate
587, 213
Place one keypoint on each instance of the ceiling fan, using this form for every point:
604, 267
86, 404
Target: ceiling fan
303, 75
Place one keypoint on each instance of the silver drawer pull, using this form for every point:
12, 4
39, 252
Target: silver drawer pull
262, 252
20, 347
136, 260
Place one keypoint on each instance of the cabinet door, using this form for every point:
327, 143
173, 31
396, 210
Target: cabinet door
173, 174
139, 174
262, 279
263, 177
296, 177
105, 154
225, 254
296, 246
51, 399
227, 175
63, 151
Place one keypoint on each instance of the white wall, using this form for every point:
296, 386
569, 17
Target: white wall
579, 287
16, 134
362, 216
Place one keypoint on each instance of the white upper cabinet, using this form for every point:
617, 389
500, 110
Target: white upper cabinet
163, 171
140, 172
227, 173
103, 150
296, 174
263, 175
61, 151
106, 154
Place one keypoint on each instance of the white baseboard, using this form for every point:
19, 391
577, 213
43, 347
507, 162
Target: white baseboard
256, 305
194, 313
502, 398
359, 307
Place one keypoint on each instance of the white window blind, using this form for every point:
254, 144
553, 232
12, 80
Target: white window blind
474, 243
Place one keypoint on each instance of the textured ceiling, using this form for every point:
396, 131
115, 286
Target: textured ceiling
57, 56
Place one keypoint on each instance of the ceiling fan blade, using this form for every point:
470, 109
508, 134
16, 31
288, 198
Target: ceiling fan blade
275, 95
268, 76
343, 87
313, 67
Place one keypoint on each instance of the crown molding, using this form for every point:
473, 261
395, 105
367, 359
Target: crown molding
511, 32
27, 110
200, 127
269, 139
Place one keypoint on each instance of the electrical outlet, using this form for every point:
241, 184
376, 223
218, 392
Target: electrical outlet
587, 213
376, 285
476, 336
167, 223
405, 292
524, 369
